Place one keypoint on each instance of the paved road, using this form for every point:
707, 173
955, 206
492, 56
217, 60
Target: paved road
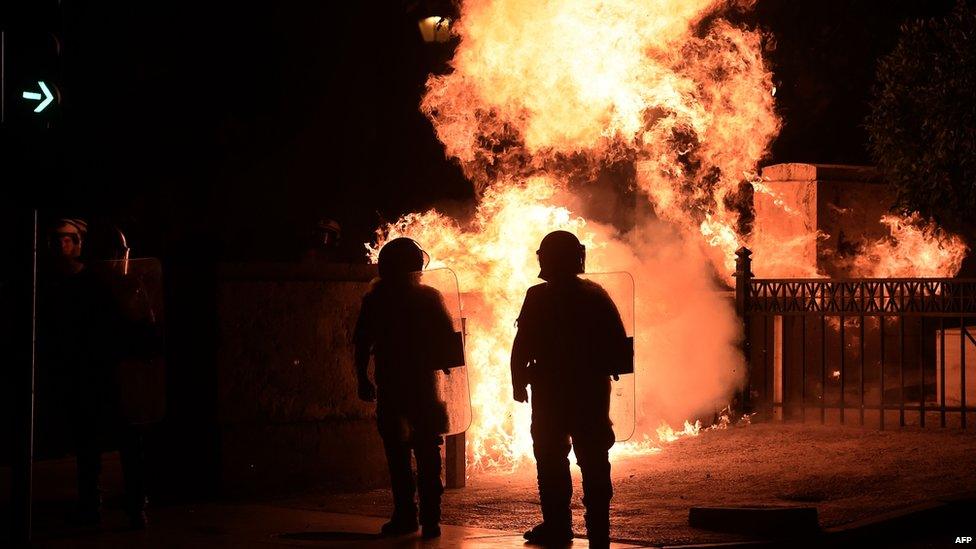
260, 525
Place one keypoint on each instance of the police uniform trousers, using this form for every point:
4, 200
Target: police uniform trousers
95, 429
404, 425
562, 420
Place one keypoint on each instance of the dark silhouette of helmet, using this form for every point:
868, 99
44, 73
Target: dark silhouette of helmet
327, 232
400, 257
106, 242
561, 255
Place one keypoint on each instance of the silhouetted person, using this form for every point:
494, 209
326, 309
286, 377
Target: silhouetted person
404, 324
570, 338
324, 243
80, 323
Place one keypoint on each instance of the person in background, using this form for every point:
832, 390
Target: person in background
570, 339
324, 244
79, 325
404, 325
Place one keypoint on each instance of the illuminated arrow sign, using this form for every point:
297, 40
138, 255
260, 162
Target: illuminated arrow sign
34, 96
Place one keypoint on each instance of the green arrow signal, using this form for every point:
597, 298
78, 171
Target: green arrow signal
34, 96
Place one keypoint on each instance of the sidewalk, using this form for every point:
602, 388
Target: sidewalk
267, 525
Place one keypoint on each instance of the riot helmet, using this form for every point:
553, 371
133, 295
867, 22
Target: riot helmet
106, 242
401, 256
327, 232
560, 255
112, 246
66, 236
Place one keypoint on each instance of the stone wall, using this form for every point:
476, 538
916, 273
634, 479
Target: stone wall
288, 414
843, 203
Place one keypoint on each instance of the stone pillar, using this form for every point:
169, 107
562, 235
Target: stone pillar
844, 204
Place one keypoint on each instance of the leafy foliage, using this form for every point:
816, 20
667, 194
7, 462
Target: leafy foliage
922, 124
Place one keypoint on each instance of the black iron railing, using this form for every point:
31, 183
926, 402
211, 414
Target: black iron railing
875, 347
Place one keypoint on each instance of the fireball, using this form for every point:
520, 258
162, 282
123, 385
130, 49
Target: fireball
546, 98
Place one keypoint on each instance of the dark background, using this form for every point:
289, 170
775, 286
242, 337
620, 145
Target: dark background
221, 131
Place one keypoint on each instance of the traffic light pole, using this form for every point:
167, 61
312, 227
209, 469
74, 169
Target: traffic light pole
23, 466
30, 96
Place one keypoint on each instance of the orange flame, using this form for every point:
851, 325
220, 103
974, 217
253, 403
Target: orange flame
495, 257
544, 98
566, 88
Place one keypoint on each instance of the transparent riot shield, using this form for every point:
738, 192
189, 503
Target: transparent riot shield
135, 287
620, 286
452, 387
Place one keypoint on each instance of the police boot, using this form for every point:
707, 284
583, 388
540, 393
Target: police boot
88, 459
545, 534
429, 486
88, 511
398, 527
598, 541
597, 528
431, 531
86, 515
403, 521
136, 511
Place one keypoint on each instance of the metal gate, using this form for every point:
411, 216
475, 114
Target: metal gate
876, 349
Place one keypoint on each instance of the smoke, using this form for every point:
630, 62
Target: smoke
688, 360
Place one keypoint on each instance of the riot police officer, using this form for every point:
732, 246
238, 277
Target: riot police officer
570, 339
404, 325
323, 246
80, 329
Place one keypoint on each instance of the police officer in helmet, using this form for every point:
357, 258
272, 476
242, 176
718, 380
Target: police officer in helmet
81, 336
570, 339
404, 325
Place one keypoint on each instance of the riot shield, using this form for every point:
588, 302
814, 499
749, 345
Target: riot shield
136, 338
620, 286
452, 387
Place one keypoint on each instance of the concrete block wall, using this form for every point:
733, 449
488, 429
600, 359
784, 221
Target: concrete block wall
288, 415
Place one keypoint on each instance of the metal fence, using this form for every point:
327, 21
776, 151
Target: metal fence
879, 349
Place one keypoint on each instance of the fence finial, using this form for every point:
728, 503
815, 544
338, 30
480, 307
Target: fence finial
743, 278
743, 274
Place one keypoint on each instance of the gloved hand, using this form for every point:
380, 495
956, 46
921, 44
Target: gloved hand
520, 394
367, 391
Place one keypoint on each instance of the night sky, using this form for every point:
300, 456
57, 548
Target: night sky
223, 130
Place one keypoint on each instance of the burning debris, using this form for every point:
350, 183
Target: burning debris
914, 248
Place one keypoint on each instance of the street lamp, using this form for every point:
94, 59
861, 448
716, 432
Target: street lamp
435, 28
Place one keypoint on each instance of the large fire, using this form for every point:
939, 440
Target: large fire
548, 97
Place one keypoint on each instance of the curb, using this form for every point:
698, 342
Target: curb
942, 518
